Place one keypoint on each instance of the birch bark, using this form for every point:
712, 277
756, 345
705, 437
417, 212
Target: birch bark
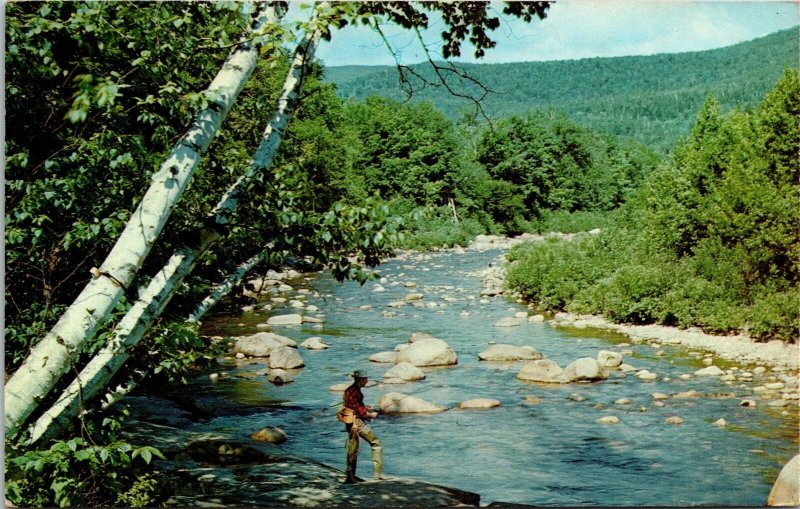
152, 301
52, 356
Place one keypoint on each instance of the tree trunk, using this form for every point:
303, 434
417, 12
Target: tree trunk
52, 356
222, 289
217, 293
152, 301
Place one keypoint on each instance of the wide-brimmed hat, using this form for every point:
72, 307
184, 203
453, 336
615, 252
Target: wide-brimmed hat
359, 374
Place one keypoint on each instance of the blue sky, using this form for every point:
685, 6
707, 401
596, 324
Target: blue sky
588, 28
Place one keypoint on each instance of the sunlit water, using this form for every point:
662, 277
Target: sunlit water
554, 453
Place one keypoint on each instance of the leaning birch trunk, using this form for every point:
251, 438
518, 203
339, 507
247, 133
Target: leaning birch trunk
217, 293
221, 290
151, 303
52, 356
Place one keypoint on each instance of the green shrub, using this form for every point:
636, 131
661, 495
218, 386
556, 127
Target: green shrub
76, 473
574, 222
553, 272
435, 227
776, 315
141, 493
633, 293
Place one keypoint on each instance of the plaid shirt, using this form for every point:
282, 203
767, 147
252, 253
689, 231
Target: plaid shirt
354, 399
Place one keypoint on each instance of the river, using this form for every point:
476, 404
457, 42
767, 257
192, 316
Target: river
552, 453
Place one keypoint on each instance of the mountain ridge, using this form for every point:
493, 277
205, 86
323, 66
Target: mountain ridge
651, 98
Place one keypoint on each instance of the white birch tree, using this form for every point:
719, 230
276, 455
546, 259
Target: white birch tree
151, 303
53, 355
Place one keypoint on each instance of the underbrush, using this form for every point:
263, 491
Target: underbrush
573, 222
435, 227
609, 275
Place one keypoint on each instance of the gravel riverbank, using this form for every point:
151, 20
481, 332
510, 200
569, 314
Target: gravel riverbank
739, 349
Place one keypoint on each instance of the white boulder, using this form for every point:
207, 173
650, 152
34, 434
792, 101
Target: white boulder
428, 352
609, 359
261, 344
269, 435
419, 336
383, 357
508, 321
291, 319
314, 343
396, 403
709, 371
646, 376
479, 404
542, 370
285, 358
279, 376
403, 372
786, 490
504, 352
585, 369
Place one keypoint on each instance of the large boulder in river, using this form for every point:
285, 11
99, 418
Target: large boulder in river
285, 358
314, 343
503, 352
508, 321
292, 319
584, 369
396, 403
419, 336
542, 370
786, 490
383, 357
479, 404
428, 352
269, 435
402, 373
262, 344
609, 359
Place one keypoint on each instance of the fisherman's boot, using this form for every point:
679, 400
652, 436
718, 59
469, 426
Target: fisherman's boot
377, 459
352, 458
377, 464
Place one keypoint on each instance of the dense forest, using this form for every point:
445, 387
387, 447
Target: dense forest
99, 95
649, 98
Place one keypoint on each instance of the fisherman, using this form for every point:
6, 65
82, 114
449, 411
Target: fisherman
353, 414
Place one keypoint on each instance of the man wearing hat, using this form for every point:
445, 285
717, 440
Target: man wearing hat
354, 401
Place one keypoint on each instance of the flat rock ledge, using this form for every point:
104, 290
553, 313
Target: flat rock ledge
204, 470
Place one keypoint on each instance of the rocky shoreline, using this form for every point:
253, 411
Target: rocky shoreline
742, 349
228, 470
738, 348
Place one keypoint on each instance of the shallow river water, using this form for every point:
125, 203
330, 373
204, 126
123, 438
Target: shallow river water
553, 453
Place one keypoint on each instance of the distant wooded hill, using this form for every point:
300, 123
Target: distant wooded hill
653, 99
